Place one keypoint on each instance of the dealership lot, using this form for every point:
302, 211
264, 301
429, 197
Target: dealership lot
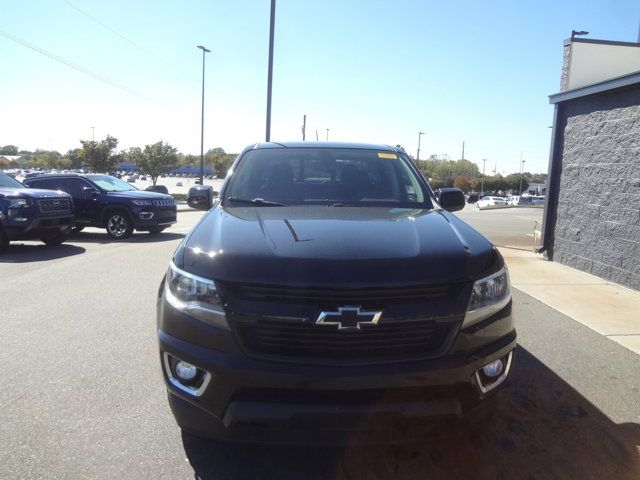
82, 395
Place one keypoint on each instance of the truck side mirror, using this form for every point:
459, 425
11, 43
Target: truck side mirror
451, 199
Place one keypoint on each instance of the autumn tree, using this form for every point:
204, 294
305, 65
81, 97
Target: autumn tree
463, 182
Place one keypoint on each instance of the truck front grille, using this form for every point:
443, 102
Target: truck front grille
54, 206
165, 202
390, 340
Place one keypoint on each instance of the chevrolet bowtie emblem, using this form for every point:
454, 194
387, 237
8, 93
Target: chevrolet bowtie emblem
348, 318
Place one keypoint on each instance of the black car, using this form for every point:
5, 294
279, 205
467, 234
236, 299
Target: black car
107, 202
328, 297
27, 213
158, 189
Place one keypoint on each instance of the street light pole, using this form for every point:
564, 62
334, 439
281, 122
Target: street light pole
521, 174
204, 50
93, 134
327, 138
484, 161
270, 74
418, 155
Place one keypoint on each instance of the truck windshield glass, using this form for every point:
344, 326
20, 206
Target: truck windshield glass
111, 184
7, 182
339, 177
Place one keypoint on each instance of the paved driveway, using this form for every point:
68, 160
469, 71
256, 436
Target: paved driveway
82, 395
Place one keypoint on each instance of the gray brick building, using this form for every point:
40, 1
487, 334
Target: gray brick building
592, 216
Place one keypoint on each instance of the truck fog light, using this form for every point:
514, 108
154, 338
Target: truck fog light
186, 371
493, 369
493, 374
184, 376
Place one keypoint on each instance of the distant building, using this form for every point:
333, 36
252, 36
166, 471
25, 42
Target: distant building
128, 167
537, 189
192, 170
19, 159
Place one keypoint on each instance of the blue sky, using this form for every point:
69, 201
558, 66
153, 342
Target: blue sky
368, 70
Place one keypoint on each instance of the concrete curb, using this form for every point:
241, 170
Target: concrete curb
502, 207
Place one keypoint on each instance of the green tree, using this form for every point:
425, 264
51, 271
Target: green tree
513, 182
74, 158
9, 150
156, 159
44, 159
100, 155
133, 155
219, 160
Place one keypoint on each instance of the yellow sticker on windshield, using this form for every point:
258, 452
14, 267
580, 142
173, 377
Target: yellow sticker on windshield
387, 155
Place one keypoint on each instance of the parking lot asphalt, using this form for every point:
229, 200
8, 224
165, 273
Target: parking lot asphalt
82, 394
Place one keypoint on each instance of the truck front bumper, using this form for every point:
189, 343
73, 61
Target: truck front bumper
34, 228
249, 400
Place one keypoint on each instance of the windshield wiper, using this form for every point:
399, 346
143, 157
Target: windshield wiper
256, 201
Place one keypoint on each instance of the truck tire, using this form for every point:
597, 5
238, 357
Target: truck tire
119, 225
54, 240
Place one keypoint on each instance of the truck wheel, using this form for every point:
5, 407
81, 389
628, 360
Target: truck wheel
4, 241
54, 240
119, 226
156, 229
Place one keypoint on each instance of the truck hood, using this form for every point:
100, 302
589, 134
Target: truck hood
336, 247
31, 193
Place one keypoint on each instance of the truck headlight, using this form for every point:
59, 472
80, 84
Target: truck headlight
18, 203
489, 295
194, 295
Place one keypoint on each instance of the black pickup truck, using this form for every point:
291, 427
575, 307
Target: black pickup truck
27, 213
330, 296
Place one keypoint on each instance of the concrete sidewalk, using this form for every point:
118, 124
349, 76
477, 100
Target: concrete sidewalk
605, 307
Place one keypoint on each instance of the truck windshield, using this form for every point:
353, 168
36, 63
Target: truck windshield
111, 184
7, 182
338, 177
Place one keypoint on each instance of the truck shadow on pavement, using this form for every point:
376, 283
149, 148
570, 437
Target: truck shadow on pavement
138, 237
21, 253
544, 429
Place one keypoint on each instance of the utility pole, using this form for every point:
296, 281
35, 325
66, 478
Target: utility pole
327, 139
204, 50
521, 172
463, 150
93, 134
304, 127
418, 155
270, 74
484, 161
316, 134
